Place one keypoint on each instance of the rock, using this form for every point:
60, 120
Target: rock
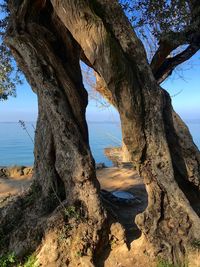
15, 171
114, 154
3, 172
28, 171
118, 158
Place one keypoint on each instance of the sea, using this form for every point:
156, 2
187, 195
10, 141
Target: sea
16, 143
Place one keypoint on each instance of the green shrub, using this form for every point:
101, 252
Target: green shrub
7, 260
30, 262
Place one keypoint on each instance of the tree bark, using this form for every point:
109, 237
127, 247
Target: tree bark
150, 127
49, 57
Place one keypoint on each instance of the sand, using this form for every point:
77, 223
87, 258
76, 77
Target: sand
110, 179
12, 186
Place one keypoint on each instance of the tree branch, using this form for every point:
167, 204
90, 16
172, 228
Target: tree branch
162, 66
170, 64
161, 54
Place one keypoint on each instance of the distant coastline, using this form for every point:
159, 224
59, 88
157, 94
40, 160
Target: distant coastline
17, 148
186, 120
106, 121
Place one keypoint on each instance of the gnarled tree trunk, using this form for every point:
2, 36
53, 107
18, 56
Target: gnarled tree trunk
151, 130
64, 166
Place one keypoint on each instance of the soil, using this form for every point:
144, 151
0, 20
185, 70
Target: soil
118, 253
10, 186
111, 179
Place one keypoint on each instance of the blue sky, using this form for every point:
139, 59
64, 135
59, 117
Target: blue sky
185, 92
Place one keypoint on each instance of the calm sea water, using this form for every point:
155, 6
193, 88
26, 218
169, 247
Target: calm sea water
16, 147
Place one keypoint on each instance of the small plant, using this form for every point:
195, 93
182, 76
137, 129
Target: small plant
79, 254
30, 262
165, 263
8, 260
112, 241
23, 125
71, 212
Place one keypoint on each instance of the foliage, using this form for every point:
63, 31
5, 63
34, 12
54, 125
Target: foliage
160, 15
89, 79
71, 212
30, 262
154, 20
10, 75
8, 260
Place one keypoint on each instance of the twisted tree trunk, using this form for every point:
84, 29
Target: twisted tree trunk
151, 129
64, 166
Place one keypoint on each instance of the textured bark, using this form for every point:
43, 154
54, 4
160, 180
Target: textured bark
150, 128
49, 57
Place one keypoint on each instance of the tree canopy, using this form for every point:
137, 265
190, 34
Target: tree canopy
10, 75
169, 30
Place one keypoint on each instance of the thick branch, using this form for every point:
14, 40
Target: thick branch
170, 64
161, 54
161, 66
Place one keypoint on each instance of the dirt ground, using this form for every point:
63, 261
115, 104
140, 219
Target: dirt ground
114, 178
111, 179
10, 186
